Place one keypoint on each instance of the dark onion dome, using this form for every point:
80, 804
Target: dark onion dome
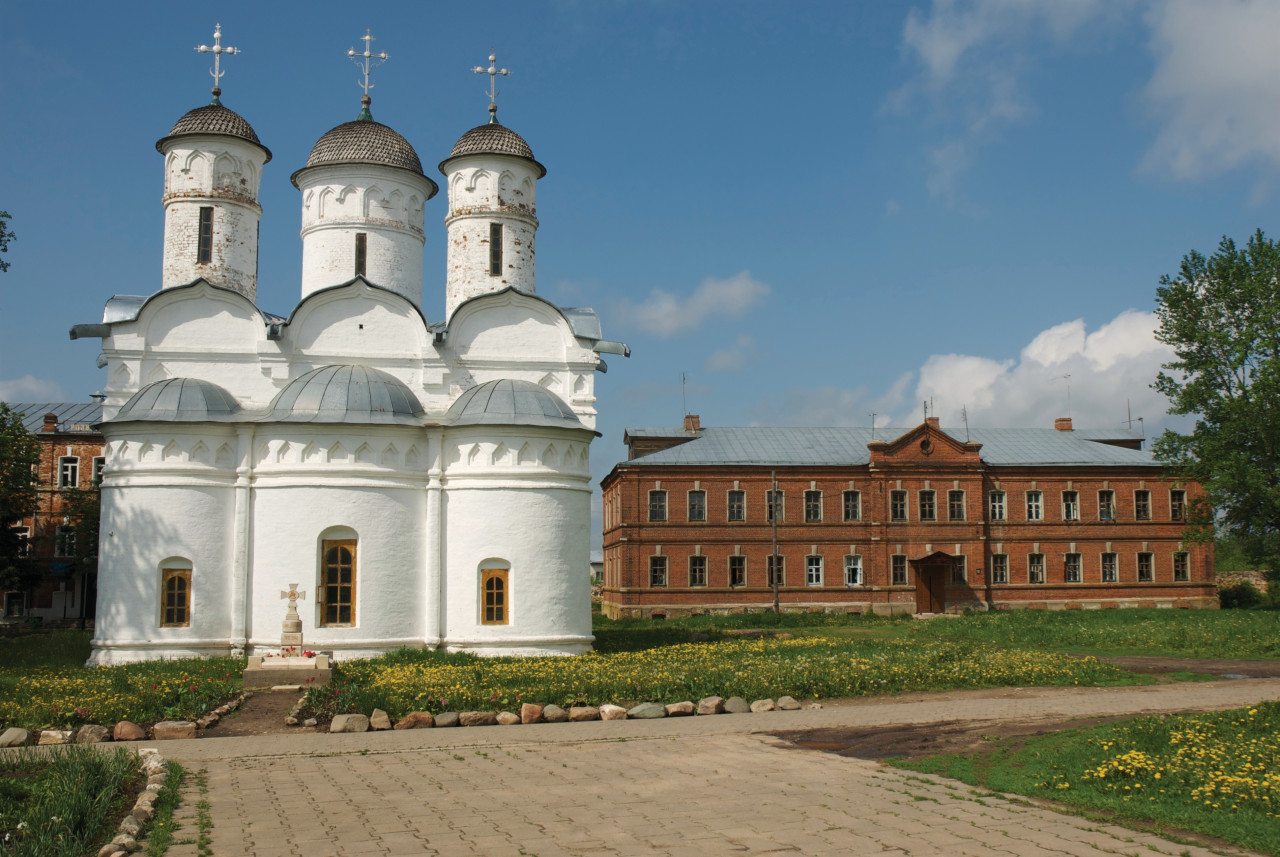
213, 118
492, 138
181, 400
508, 402
346, 394
364, 141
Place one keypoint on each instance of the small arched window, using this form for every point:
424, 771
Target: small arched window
495, 594
175, 593
337, 601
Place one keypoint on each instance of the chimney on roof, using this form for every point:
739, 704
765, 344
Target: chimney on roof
932, 422
692, 422
1062, 424
50, 423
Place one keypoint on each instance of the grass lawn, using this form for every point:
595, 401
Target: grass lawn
1217, 773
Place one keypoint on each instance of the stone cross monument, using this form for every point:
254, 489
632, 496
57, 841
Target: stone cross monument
291, 638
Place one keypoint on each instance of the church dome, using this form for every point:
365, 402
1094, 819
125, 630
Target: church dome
213, 119
492, 138
510, 402
364, 141
183, 400
346, 394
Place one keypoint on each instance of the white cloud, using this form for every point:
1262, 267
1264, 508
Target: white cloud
1215, 86
665, 314
732, 358
31, 389
1108, 368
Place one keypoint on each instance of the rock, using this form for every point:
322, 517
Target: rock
15, 737
125, 841
647, 711
56, 736
291, 721
310, 721
349, 723
379, 721
416, 720
531, 712
763, 705
680, 709
508, 718
446, 718
736, 705
478, 718
147, 798
612, 712
813, 706
157, 779
788, 703
582, 713
126, 731
168, 730
711, 705
111, 850
130, 826
142, 813
554, 714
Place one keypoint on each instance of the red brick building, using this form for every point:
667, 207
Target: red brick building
917, 520
70, 457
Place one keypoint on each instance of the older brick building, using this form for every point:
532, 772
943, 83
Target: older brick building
895, 521
70, 457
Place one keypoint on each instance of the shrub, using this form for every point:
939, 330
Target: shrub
1240, 596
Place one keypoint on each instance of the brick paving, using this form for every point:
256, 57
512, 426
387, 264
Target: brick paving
686, 786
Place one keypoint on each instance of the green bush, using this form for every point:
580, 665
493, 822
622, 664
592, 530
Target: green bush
1240, 596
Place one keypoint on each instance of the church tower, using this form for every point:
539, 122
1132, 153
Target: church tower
363, 192
212, 170
492, 220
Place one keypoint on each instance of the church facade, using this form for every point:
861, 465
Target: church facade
424, 483
893, 521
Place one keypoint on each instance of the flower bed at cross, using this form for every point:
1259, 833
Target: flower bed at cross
812, 667
66, 697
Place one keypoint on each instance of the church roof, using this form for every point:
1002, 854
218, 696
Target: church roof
492, 138
512, 402
213, 119
184, 400
364, 141
346, 394
762, 446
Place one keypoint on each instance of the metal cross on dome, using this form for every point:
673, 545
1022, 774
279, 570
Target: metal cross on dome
367, 60
493, 71
217, 50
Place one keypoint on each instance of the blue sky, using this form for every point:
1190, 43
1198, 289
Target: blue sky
815, 210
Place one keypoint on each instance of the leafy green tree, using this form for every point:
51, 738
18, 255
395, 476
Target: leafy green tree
19, 455
6, 235
82, 508
1221, 316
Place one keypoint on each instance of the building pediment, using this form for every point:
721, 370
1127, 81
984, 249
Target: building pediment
926, 444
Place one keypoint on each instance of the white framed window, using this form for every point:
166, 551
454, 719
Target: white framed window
776, 568
737, 505
928, 505
897, 505
1146, 568
1071, 568
99, 462
1035, 568
23, 535
1070, 505
995, 505
68, 471
853, 570
1106, 505
1177, 505
955, 506
657, 506
960, 570
697, 506
1181, 567
813, 571
697, 571
1109, 568
64, 540
853, 505
999, 568
737, 571
775, 504
898, 566
812, 507
657, 571
1142, 505
1035, 506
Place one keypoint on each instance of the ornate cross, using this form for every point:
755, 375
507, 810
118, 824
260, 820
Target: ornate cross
493, 71
217, 50
367, 60
293, 595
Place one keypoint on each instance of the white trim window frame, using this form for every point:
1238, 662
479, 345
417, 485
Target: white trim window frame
852, 570
813, 571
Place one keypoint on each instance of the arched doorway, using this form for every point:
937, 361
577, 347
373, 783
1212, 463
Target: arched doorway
932, 574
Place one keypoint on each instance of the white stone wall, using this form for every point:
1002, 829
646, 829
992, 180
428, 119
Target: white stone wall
384, 203
486, 189
223, 173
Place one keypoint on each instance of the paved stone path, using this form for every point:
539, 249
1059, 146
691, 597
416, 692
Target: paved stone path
679, 786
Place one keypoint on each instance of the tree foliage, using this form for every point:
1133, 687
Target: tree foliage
6, 235
1221, 316
19, 455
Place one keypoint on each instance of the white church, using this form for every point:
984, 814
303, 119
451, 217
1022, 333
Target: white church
424, 482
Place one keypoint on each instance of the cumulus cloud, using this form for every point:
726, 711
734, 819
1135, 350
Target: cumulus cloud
1215, 86
31, 389
733, 358
665, 314
1107, 368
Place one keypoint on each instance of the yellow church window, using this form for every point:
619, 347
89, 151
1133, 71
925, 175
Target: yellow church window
493, 589
338, 582
175, 586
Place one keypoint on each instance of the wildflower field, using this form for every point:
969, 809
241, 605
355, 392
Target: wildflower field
1216, 773
43, 685
753, 668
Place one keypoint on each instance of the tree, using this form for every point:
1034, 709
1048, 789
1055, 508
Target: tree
1221, 316
6, 235
19, 455
82, 508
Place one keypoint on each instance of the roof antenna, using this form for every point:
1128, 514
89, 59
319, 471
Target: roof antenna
1067, 378
873, 425
684, 406
964, 415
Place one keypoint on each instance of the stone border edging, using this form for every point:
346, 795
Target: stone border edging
135, 823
